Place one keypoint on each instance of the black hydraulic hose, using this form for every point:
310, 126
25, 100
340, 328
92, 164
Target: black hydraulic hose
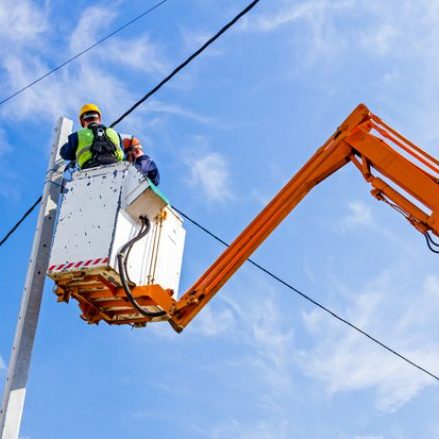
143, 230
431, 243
121, 261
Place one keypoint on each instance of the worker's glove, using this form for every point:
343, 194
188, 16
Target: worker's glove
132, 148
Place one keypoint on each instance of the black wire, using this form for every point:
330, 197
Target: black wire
185, 63
17, 224
129, 23
313, 301
121, 261
120, 257
150, 93
121, 264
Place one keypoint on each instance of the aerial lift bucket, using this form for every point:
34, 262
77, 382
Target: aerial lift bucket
101, 210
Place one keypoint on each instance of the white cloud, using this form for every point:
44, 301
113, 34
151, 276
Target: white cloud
24, 25
345, 361
264, 360
194, 39
261, 429
395, 41
90, 78
265, 336
65, 90
22, 21
211, 324
91, 23
140, 54
360, 215
319, 35
209, 173
156, 106
380, 40
270, 338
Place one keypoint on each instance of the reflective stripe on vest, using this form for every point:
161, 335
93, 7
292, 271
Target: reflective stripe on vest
85, 141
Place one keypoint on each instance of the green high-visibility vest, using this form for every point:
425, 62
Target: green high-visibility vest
85, 141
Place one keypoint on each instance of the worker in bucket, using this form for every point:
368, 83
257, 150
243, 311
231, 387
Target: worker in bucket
96, 145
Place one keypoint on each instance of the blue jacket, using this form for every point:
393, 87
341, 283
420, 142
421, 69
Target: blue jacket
144, 163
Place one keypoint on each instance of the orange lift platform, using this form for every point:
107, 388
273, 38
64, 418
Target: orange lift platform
108, 288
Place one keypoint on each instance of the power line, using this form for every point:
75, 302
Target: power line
17, 224
313, 301
129, 23
149, 94
260, 267
187, 61
273, 276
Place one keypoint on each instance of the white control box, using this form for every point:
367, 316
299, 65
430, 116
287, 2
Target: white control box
100, 210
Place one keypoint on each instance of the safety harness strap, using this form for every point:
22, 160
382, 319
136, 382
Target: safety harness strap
103, 149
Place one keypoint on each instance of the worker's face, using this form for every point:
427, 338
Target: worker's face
86, 122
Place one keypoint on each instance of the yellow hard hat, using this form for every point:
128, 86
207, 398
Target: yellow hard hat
89, 108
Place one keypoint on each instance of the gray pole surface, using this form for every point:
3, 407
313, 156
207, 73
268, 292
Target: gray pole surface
19, 363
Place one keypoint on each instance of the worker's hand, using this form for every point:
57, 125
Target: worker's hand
132, 148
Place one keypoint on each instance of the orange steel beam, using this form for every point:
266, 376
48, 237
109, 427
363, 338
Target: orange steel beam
405, 174
333, 155
372, 146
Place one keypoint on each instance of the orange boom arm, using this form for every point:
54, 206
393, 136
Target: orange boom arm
372, 146
400, 173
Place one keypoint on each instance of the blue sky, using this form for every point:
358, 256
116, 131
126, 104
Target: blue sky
227, 133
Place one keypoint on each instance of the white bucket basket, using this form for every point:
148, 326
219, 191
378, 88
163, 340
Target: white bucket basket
100, 210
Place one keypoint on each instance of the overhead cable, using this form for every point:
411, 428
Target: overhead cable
150, 93
187, 61
278, 279
60, 66
17, 224
314, 302
260, 267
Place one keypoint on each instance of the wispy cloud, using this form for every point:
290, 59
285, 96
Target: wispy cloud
209, 172
268, 335
92, 22
65, 90
104, 76
314, 21
264, 360
23, 21
262, 429
381, 39
359, 215
396, 39
141, 54
98, 76
156, 106
211, 324
193, 39
344, 361
312, 11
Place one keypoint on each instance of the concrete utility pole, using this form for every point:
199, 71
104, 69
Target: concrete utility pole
19, 363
